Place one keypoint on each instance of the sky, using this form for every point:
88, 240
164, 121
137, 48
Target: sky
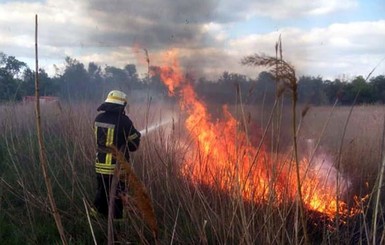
334, 39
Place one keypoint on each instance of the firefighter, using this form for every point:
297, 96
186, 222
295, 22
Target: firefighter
113, 129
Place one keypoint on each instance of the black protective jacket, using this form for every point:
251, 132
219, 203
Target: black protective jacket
113, 129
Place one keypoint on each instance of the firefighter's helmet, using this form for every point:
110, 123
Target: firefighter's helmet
117, 97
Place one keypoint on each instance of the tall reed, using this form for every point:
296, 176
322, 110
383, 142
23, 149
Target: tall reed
42, 154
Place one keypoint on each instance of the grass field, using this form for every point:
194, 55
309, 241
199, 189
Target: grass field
187, 211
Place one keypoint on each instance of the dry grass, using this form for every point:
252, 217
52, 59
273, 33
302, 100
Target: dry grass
186, 213
361, 151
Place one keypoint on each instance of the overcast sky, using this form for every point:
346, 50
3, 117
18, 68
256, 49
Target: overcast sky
328, 38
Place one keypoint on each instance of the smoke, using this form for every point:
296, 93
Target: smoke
152, 24
158, 25
322, 165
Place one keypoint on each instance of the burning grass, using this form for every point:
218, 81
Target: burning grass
211, 180
220, 208
224, 158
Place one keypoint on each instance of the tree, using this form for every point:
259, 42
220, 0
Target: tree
48, 87
131, 72
310, 90
10, 73
28, 85
14, 66
7, 86
73, 82
378, 86
94, 73
115, 75
155, 83
363, 89
333, 90
265, 88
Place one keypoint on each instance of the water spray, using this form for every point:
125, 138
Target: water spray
157, 125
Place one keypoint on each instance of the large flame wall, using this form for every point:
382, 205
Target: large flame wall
223, 158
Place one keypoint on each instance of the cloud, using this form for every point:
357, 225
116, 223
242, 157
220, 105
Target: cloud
229, 10
199, 30
349, 48
116, 32
59, 27
160, 23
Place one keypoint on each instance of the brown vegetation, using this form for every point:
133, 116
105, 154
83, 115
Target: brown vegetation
186, 213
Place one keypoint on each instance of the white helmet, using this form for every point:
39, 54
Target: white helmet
117, 97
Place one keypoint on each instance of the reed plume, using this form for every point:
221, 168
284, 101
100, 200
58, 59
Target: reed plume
285, 76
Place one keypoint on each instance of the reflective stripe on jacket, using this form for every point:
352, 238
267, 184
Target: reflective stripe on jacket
113, 129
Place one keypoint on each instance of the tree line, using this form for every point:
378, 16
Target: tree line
79, 81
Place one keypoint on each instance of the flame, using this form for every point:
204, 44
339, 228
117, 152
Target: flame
225, 159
